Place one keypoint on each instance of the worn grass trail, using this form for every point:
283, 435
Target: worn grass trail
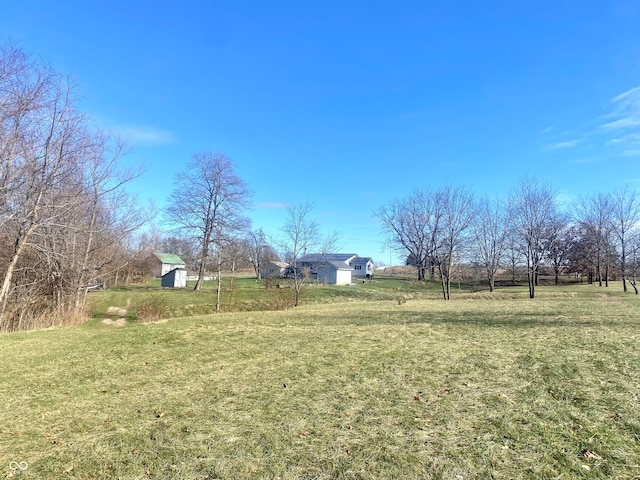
483, 386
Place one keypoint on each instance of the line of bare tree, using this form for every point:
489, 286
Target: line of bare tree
64, 217
441, 229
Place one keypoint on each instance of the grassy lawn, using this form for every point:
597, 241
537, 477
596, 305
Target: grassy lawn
484, 386
244, 294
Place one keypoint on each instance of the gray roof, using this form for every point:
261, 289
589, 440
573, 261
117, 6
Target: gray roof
361, 260
337, 265
327, 257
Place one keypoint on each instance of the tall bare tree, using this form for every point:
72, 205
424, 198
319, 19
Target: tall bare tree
39, 136
594, 213
259, 252
456, 204
490, 233
634, 260
300, 234
625, 223
60, 226
412, 224
532, 210
208, 201
558, 241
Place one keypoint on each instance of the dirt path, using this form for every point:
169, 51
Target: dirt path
117, 316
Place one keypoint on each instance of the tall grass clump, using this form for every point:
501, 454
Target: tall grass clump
152, 308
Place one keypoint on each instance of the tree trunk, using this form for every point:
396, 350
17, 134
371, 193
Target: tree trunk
200, 280
20, 243
623, 265
297, 283
219, 285
531, 278
444, 289
492, 281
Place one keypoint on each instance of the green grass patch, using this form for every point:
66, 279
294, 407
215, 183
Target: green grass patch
483, 386
150, 302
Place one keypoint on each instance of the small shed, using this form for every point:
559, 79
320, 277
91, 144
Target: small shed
159, 264
338, 273
176, 278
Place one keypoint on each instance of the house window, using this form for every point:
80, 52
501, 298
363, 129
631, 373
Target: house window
357, 267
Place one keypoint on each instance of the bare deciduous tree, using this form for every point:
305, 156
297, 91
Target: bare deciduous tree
558, 240
300, 234
532, 210
594, 214
490, 232
456, 205
412, 224
60, 226
428, 226
258, 251
207, 202
625, 223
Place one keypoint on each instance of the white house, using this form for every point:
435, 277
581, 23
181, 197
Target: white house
313, 260
338, 273
362, 267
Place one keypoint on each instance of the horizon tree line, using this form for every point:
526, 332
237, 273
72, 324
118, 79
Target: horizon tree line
437, 229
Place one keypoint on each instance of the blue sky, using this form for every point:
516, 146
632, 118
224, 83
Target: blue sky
351, 104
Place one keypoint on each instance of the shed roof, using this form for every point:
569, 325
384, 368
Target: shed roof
336, 265
169, 258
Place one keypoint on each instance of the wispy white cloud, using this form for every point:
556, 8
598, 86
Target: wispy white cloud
565, 144
630, 96
146, 136
627, 122
631, 139
626, 110
615, 132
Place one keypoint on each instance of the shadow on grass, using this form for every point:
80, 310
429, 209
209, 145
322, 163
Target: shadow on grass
512, 320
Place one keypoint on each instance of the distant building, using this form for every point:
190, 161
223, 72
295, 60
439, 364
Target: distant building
362, 267
159, 264
338, 273
274, 269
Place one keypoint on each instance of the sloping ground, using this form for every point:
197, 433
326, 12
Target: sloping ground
478, 387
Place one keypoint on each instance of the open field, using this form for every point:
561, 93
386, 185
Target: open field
483, 386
